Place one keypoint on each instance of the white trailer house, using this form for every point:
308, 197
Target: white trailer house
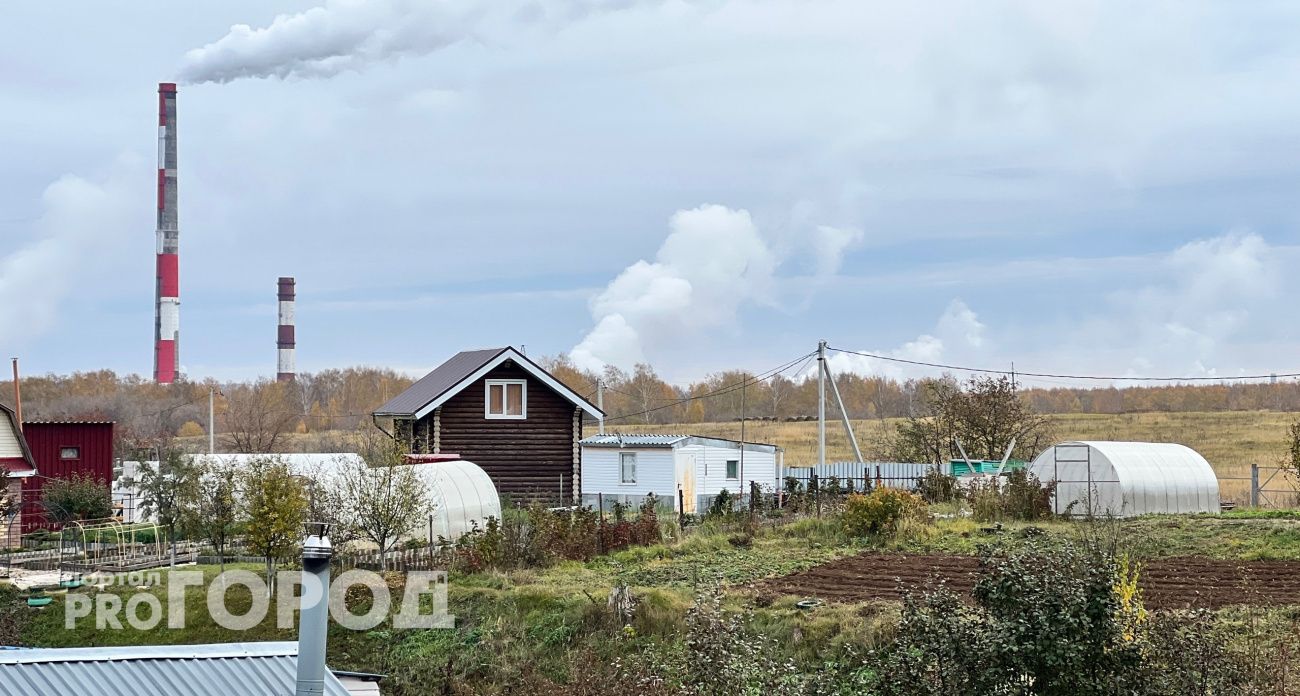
627, 468
1123, 479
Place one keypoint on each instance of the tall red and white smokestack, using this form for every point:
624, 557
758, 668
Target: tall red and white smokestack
285, 339
166, 352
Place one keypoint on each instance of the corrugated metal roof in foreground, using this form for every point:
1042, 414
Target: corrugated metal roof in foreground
220, 670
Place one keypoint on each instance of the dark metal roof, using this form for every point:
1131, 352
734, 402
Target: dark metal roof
452, 376
436, 383
219, 670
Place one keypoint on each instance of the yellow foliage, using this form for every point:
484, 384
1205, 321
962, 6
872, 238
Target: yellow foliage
191, 429
882, 512
1130, 614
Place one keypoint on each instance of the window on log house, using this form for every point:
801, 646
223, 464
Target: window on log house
506, 398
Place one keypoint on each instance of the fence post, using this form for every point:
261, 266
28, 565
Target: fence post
681, 513
816, 492
600, 539
1254, 484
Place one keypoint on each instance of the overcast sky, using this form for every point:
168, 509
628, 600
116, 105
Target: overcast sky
1085, 187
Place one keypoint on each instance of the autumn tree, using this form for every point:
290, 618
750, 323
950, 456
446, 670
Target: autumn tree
259, 416
165, 490
985, 414
274, 504
382, 496
1291, 458
210, 506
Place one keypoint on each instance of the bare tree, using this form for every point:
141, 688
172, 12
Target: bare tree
986, 414
382, 497
258, 417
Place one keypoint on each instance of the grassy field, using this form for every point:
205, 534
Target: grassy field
1230, 440
524, 631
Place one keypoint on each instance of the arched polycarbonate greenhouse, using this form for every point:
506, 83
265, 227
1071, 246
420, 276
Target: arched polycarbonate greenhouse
463, 498
1123, 479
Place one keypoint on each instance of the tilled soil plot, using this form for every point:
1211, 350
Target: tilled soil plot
1166, 582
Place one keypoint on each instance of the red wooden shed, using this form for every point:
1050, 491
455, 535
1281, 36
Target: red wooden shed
62, 450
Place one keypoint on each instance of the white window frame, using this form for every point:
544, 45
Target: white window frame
505, 389
726, 469
622, 478
63, 452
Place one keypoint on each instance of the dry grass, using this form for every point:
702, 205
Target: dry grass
1230, 440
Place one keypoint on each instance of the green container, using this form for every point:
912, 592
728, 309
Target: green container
984, 466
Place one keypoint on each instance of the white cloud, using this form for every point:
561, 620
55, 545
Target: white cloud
958, 327
714, 261
961, 322
1201, 301
830, 243
79, 233
1185, 312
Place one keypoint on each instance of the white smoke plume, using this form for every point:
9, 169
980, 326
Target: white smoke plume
83, 222
344, 35
714, 261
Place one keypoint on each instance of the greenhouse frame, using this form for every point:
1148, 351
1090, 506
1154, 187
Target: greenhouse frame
1124, 479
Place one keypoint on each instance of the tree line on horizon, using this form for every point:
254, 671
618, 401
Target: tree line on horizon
259, 415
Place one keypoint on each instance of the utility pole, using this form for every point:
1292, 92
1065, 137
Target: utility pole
212, 421
744, 387
844, 412
821, 403
600, 402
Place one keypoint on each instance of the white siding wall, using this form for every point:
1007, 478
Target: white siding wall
655, 473
711, 469
9, 447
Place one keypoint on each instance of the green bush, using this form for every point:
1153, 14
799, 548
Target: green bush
722, 504
1043, 616
938, 487
536, 537
880, 512
1017, 496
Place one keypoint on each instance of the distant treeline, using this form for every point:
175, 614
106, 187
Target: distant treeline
252, 414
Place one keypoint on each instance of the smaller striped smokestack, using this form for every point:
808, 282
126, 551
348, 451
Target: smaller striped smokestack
285, 340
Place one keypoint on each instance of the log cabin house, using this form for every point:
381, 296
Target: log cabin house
502, 411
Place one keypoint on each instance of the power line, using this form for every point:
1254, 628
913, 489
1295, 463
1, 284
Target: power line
769, 374
1048, 375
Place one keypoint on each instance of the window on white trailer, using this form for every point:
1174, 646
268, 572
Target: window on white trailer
733, 469
627, 467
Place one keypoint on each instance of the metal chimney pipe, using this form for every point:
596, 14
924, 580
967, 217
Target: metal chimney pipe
285, 343
167, 296
18, 398
313, 620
